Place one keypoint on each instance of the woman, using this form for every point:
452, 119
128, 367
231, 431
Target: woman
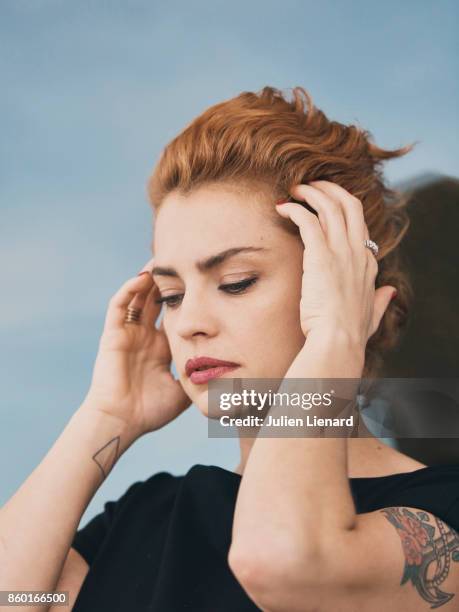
272, 291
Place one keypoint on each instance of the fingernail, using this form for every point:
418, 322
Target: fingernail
144, 272
393, 295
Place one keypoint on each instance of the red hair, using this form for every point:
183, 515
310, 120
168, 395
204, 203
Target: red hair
265, 142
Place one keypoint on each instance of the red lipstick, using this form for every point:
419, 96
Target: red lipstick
202, 369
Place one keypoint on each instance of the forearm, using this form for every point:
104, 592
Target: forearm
38, 522
295, 491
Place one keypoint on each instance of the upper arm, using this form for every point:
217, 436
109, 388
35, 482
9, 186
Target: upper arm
72, 577
398, 558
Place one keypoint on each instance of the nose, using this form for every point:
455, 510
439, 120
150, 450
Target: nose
196, 316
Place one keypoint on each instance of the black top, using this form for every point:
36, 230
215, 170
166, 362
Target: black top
163, 545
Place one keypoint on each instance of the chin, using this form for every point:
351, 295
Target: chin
201, 402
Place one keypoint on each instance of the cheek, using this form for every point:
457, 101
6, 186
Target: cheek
282, 303
281, 322
172, 341
272, 333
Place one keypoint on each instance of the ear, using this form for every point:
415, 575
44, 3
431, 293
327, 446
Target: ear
383, 297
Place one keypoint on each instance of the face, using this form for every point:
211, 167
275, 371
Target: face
242, 308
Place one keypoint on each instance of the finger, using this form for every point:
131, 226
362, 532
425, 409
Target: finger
151, 308
330, 212
357, 229
372, 263
117, 306
140, 298
311, 231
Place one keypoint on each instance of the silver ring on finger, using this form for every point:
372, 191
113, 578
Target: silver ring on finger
133, 315
372, 246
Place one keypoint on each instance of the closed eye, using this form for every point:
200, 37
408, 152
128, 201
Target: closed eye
232, 288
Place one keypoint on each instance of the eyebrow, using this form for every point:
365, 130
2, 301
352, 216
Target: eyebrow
209, 263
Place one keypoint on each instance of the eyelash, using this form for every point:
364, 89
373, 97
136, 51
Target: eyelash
236, 288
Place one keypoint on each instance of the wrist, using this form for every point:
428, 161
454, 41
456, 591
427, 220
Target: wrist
329, 353
100, 424
336, 339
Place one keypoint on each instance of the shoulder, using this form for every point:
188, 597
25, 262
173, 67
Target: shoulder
134, 498
163, 485
127, 512
154, 488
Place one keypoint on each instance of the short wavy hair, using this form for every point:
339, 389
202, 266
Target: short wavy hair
266, 142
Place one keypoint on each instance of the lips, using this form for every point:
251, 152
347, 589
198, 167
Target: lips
202, 369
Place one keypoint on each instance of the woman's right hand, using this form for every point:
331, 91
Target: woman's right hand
131, 377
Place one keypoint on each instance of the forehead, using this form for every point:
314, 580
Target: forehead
211, 219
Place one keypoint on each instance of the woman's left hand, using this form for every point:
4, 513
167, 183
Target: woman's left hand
339, 271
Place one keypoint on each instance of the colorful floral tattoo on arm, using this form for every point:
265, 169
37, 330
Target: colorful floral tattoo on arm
422, 549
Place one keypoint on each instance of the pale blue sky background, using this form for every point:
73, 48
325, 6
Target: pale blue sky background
92, 91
